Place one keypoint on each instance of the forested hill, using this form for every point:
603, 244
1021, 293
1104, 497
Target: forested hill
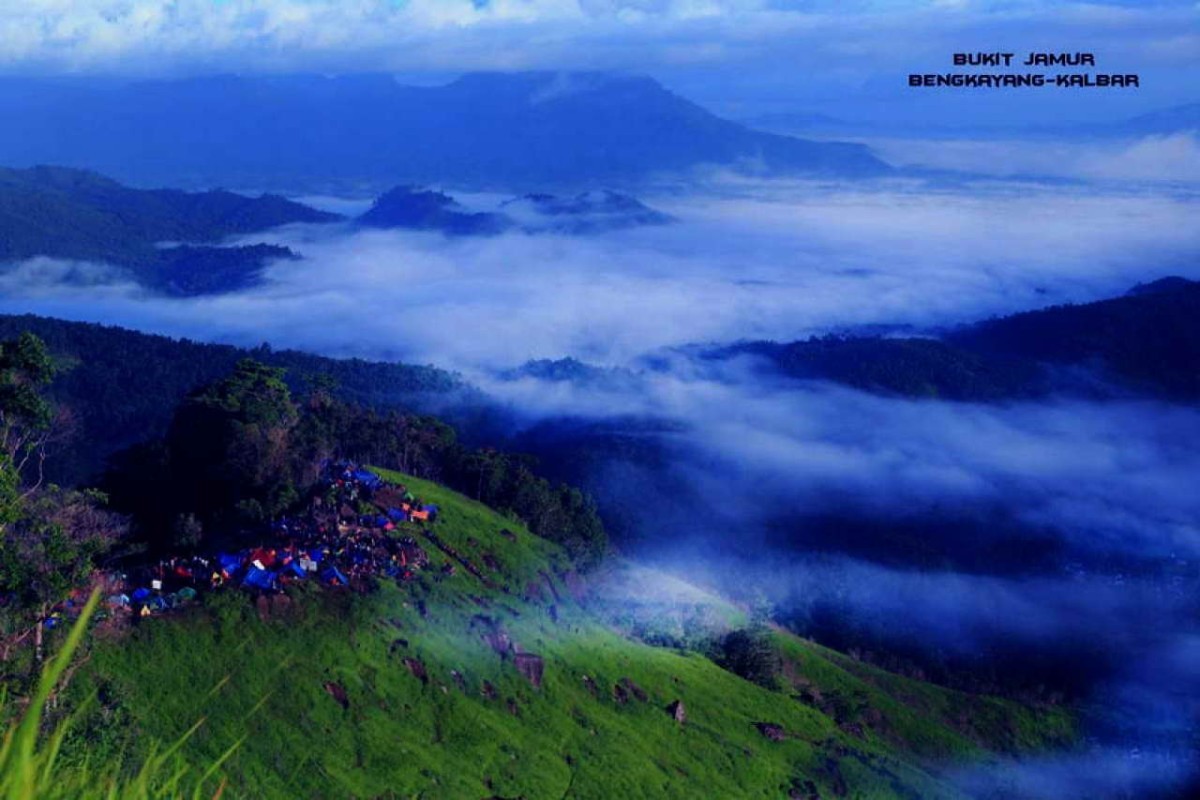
122, 386
80, 215
1145, 342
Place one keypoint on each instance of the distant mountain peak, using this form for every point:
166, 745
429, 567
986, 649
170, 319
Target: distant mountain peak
511, 131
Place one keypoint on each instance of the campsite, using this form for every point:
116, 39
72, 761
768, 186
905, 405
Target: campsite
333, 544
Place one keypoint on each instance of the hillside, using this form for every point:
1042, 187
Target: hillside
414, 690
1145, 342
82, 216
122, 386
519, 131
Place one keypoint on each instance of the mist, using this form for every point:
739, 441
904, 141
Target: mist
747, 260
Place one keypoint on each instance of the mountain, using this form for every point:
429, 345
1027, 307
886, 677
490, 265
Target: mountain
1176, 119
82, 216
496, 670
586, 213
422, 209
520, 131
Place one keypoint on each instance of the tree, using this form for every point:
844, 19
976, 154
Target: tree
50, 548
229, 446
25, 415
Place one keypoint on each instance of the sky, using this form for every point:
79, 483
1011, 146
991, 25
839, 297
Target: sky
739, 57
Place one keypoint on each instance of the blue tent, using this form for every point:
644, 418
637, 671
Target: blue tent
295, 568
367, 478
380, 521
259, 579
399, 515
141, 594
229, 563
431, 508
334, 575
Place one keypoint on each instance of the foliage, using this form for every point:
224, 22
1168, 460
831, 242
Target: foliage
25, 415
750, 652
123, 387
50, 549
240, 451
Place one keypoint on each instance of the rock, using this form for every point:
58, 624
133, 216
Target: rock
417, 669
531, 667
338, 692
854, 729
512, 706
633, 689
397, 644
770, 730
507, 534
677, 710
281, 605
494, 634
620, 694
590, 685
488, 691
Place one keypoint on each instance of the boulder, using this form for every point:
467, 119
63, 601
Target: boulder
417, 669
338, 693
770, 730
632, 689
531, 667
677, 711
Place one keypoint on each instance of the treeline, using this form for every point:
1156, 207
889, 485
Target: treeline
242, 451
119, 387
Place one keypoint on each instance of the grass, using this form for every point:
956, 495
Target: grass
272, 726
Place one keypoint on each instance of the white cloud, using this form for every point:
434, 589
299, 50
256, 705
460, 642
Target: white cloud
1171, 158
157, 36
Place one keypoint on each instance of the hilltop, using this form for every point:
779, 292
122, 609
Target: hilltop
79, 215
418, 688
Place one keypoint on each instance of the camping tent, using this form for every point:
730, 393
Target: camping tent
259, 579
333, 575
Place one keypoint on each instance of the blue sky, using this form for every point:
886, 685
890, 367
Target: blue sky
741, 57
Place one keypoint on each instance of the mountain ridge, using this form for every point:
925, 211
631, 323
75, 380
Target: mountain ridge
517, 130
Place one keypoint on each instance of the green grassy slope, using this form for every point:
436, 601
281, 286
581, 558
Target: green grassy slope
474, 727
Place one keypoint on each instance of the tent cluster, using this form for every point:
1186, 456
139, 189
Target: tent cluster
330, 543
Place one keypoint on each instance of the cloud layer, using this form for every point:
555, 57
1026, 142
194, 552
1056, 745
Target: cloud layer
746, 260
